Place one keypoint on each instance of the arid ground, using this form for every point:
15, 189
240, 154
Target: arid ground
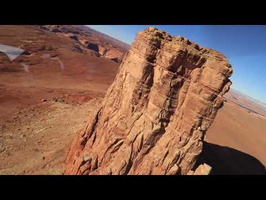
47, 93
238, 132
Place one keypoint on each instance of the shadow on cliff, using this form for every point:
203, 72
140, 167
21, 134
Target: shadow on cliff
228, 161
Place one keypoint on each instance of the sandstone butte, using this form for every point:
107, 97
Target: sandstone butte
154, 116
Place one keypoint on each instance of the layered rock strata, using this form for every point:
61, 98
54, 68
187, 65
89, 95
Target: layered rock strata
155, 114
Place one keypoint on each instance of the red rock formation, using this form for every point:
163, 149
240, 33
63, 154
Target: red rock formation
155, 114
90, 41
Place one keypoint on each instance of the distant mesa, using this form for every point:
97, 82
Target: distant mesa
86, 40
154, 116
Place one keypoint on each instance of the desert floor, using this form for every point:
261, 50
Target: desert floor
43, 106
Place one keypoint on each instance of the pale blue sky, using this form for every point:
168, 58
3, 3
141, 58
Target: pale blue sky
243, 45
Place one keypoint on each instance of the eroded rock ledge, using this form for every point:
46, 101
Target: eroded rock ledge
155, 114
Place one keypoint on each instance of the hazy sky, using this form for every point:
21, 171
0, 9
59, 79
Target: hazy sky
244, 46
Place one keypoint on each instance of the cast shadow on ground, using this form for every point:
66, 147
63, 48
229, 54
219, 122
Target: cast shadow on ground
229, 161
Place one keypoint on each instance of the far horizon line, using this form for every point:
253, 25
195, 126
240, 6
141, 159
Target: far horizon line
232, 88
110, 35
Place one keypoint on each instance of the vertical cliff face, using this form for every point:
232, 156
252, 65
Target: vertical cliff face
155, 114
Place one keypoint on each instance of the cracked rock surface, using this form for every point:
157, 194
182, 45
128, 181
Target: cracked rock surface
155, 114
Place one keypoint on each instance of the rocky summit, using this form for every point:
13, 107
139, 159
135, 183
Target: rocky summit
155, 115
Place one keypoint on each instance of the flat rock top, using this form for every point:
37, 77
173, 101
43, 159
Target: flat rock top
161, 37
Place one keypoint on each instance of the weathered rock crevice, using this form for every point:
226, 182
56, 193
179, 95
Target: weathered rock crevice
155, 114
